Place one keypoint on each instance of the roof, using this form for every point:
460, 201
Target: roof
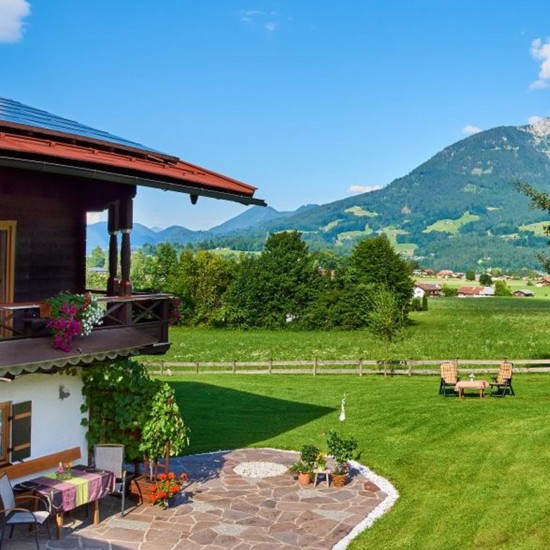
23, 115
470, 290
36, 140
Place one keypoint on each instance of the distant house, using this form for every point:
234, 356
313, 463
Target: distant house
428, 272
445, 274
475, 291
523, 293
426, 289
545, 280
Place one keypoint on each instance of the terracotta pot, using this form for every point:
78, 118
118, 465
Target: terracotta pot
304, 478
339, 480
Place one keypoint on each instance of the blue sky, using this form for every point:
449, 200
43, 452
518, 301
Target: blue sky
309, 100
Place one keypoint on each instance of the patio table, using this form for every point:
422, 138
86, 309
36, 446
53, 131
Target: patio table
87, 485
471, 385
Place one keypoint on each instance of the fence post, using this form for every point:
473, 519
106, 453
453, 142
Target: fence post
234, 366
161, 368
197, 367
361, 367
315, 367
270, 365
409, 368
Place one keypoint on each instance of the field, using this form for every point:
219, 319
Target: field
490, 328
471, 473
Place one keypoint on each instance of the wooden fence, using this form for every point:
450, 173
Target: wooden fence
359, 367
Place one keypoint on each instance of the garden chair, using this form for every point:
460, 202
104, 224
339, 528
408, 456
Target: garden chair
13, 515
449, 378
503, 381
110, 457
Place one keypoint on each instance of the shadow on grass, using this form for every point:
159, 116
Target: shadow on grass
223, 418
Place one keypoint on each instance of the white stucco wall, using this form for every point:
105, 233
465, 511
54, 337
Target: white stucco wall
55, 423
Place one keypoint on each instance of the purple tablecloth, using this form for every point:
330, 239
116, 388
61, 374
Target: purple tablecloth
62, 495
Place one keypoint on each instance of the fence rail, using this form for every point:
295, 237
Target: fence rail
341, 366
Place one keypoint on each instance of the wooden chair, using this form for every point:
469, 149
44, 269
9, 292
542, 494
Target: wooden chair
503, 381
13, 515
110, 457
449, 378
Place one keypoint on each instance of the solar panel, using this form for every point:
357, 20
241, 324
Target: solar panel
13, 111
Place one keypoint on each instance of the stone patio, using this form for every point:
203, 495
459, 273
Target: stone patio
223, 510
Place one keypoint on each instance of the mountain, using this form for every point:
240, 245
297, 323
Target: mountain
255, 216
456, 210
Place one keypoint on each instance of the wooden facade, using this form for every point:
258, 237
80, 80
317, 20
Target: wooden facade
49, 180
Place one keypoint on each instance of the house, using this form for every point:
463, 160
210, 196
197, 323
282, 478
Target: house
475, 291
54, 171
445, 274
432, 290
544, 280
523, 293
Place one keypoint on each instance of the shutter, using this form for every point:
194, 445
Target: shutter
21, 431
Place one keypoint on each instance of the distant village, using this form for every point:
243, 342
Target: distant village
435, 290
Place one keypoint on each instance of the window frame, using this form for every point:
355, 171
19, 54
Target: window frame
5, 409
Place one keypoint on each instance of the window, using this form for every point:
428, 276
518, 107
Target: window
4, 431
15, 428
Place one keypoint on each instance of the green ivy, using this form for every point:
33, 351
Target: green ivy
126, 406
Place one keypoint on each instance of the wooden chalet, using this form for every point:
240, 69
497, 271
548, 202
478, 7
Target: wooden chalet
53, 171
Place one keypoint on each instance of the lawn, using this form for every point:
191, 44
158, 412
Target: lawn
471, 473
490, 328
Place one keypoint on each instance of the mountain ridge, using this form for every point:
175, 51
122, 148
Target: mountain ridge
457, 209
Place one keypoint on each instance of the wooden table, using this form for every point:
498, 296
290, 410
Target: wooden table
87, 485
480, 385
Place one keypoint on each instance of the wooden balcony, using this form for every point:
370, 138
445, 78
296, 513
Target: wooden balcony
130, 325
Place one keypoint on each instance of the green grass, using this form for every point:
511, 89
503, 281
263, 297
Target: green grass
358, 211
538, 228
452, 226
490, 328
471, 473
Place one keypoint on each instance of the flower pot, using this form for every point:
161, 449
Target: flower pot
339, 480
172, 501
304, 478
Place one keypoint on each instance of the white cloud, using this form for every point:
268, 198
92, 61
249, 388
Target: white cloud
12, 13
269, 21
94, 217
358, 189
541, 52
534, 119
470, 129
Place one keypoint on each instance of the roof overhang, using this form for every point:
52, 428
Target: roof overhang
36, 355
58, 153
103, 175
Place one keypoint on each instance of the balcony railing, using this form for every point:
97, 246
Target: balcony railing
148, 313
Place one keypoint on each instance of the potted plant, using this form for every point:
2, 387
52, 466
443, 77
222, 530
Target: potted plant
72, 315
303, 470
342, 450
167, 488
309, 455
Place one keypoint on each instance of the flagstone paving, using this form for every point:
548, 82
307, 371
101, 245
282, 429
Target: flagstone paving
223, 510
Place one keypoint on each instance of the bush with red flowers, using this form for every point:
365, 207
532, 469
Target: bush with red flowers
167, 486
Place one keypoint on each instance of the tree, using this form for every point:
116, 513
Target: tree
387, 319
538, 200
485, 279
275, 289
97, 257
470, 275
374, 262
501, 289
